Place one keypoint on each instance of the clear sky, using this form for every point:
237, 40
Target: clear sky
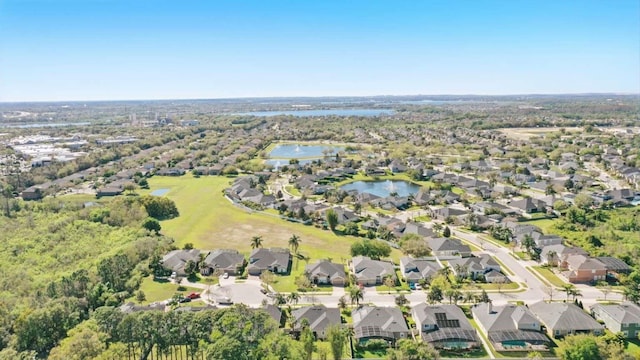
138, 49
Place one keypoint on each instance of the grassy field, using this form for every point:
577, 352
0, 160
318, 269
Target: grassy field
632, 346
209, 221
549, 276
159, 290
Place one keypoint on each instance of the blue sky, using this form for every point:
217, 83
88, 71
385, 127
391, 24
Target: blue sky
138, 49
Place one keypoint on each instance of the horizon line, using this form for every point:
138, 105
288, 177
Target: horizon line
327, 96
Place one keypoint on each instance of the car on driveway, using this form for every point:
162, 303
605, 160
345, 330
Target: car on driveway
225, 275
193, 295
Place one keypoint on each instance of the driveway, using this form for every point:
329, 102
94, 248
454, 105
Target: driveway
247, 292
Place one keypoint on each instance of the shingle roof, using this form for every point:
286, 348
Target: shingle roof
564, 317
625, 313
451, 322
326, 268
319, 317
365, 268
378, 321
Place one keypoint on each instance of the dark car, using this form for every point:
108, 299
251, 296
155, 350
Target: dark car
185, 300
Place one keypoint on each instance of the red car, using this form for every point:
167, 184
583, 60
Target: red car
193, 296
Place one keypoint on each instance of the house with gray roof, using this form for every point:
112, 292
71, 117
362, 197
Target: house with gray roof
444, 326
325, 272
385, 323
176, 260
276, 260
448, 247
371, 272
528, 205
223, 260
510, 327
619, 318
414, 270
275, 313
474, 266
614, 266
563, 319
320, 318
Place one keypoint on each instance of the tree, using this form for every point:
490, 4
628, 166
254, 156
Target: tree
389, 282
568, 288
190, 268
159, 207
152, 224
579, 347
337, 338
583, 201
549, 290
407, 349
294, 243
332, 219
256, 242
434, 295
293, 297
484, 297
356, 295
267, 277
374, 249
528, 243
84, 341
307, 339
140, 296
446, 232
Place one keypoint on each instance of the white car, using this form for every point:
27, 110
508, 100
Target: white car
225, 276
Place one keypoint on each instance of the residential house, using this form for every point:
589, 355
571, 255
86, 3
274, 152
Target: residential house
563, 319
418, 229
474, 266
320, 318
444, 213
33, 193
556, 255
448, 247
275, 313
223, 260
528, 205
584, 269
176, 260
385, 323
371, 272
444, 326
619, 318
510, 327
325, 272
414, 270
275, 260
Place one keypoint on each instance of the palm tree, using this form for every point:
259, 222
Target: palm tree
568, 288
293, 298
356, 295
256, 242
294, 243
575, 293
551, 257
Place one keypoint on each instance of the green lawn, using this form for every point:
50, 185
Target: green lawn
209, 221
549, 276
159, 290
632, 346
489, 286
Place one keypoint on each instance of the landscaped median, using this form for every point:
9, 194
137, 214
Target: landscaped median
546, 275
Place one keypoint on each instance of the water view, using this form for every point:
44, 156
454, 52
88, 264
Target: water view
383, 188
334, 112
278, 163
293, 151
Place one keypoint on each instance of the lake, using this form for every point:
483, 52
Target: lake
383, 188
159, 192
293, 151
278, 163
334, 112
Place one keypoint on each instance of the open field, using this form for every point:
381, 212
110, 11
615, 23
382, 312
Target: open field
159, 290
210, 221
527, 133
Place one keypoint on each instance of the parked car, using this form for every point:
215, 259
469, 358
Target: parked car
193, 295
185, 300
225, 275
412, 286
